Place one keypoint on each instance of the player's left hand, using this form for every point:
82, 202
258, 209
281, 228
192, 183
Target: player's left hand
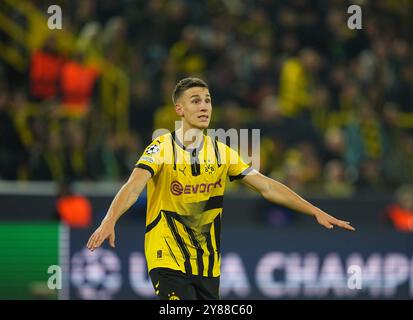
329, 221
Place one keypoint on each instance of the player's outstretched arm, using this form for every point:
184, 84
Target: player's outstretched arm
123, 200
278, 193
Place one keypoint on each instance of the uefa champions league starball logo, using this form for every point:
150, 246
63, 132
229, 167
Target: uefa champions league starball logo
152, 149
96, 274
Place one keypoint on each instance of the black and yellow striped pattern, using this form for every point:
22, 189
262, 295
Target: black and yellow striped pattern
192, 253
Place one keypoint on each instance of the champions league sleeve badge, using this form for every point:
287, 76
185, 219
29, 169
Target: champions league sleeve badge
152, 149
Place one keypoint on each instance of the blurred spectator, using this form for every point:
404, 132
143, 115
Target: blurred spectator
85, 11
114, 41
187, 53
327, 99
400, 213
296, 80
398, 165
12, 150
45, 67
48, 160
334, 144
301, 169
321, 108
165, 115
365, 137
90, 41
335, 182
143, 103
74, 210
75, 151
370, 177
78, 82
231, 116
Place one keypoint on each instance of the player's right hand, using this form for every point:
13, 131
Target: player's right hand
106, 230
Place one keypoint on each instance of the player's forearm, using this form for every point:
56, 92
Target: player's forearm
123, 200
280, 194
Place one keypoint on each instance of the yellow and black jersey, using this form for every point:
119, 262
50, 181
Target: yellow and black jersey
185, 199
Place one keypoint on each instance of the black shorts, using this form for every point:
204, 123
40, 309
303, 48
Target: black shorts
175, 285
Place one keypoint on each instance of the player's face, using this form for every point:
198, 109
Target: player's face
194, 106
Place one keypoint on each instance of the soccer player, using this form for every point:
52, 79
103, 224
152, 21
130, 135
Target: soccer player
185, 176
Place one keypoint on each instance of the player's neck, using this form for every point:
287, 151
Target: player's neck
189, 136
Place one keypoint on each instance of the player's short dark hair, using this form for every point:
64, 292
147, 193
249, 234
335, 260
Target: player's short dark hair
186, 84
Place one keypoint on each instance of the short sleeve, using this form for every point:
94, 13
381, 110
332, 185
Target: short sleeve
152, 157
237, 168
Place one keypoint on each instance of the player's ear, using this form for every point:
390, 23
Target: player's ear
179, 109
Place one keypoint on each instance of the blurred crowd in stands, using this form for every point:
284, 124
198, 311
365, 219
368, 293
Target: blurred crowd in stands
334, 105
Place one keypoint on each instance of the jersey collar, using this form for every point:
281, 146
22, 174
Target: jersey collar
179, 143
